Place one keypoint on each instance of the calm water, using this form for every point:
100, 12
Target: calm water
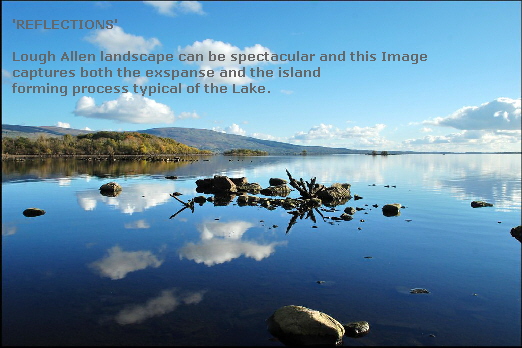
97, 270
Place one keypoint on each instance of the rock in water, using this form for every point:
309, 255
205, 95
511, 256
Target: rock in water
298, 325
479, 204
391, 209
33, 212
516, 232
357, 329
110, 187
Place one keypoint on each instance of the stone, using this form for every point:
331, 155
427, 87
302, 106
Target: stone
33, 212
350, 210
200, 199
278, 190
336, 192
479, 204
277, 181
346, 217
110, 187
357, 329
223, 183
516, 232
239, 181
419, 291
392, 209
298, 325
254, 188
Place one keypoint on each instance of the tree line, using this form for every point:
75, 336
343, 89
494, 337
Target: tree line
99, 143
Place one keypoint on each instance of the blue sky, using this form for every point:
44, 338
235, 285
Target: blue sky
464, 97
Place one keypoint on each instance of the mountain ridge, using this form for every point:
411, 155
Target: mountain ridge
204, 139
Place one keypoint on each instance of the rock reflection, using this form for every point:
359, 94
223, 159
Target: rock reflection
118, 263
135, 198
221, 242
165, 303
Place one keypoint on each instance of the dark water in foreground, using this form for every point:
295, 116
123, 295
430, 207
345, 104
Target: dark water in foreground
97, 270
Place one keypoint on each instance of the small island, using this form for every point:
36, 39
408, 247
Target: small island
245, 152
103, 143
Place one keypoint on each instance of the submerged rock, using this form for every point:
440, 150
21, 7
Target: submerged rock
479, 204
298, 325
419, 291
33, 212
392, 209
357, 329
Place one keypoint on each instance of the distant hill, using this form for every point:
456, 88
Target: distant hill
203, 139
206, 139
31, 132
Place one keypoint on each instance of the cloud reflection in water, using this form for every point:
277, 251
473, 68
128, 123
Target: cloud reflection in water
221, 243
165, 303
118, 263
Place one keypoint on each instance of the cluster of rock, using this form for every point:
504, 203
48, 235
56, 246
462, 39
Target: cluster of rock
223, 186
33, 212
298, 325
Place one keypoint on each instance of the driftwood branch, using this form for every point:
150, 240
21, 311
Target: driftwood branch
189, 204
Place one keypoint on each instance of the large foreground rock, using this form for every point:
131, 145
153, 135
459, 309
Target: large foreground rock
339, 193
298, 325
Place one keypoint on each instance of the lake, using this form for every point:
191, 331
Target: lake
123, 270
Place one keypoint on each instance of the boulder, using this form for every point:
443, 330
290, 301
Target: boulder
357, 329
254, 188
516, 232
200, 199
336, 192
350, 210
279, 190
110, 187
239, 181
298, 325
479, 204
223, 183
393, 209
346, 217
33, 212
277, 181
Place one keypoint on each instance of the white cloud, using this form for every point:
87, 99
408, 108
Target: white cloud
324, 131
233, 129
8, 229
285, 91
63, 125
87, 129
127, 108
115, 40
165, 303
468, 140
185, 114
219, 47
141, 80
499, 114
118, 263
171, 8
264, 136
426, 130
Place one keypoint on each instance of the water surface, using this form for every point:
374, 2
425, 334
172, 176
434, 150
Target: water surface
98, 270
